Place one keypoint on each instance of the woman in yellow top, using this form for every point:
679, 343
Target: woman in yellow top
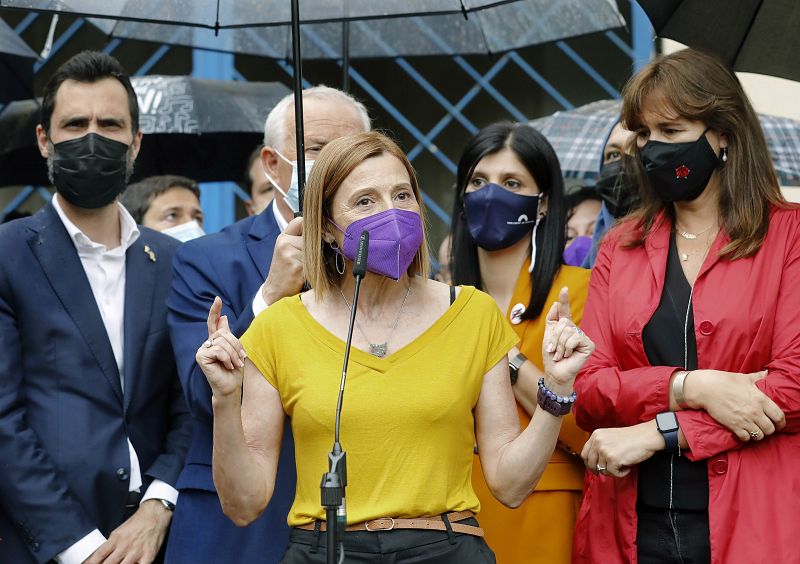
428, 377
507, 237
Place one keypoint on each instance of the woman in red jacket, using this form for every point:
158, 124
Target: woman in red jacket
693, 393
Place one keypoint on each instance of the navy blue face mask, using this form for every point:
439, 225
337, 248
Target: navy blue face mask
498, 218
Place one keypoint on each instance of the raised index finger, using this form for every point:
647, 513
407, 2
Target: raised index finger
563, 304
213, 316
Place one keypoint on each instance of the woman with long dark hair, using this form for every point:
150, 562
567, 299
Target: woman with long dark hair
508, 235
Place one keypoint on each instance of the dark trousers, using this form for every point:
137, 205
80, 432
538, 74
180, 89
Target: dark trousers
672, 536
402, 546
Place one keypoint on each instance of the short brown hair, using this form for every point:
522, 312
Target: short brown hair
700, 87
333, 165
138, 197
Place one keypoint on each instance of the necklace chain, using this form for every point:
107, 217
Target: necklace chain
688, 235
379, 349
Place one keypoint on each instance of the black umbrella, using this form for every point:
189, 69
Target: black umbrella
16, 66
203, 129
759, 36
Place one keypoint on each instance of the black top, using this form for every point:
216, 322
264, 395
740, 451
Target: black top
664, 345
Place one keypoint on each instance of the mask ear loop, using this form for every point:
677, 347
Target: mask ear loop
533, 233
276, 185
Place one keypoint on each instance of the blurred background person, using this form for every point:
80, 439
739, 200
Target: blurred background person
615, 186
444, 273
582, 205
170, 204
508, 236
256, 184
693, 393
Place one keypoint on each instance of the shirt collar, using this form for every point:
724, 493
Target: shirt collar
282, 223
128, 230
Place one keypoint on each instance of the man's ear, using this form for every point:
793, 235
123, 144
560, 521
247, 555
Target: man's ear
41, 141
137, 144
543, 205
269, 161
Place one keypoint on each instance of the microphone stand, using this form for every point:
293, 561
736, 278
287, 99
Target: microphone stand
334, 480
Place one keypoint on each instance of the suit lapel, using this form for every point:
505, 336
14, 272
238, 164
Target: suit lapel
140, 276
261, 240
61, 264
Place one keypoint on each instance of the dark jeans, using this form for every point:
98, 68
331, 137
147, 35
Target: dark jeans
402, 546
666, 536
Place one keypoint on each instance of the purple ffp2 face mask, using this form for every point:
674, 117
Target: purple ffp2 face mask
395, 237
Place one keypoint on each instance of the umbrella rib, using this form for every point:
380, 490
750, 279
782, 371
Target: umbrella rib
746, 33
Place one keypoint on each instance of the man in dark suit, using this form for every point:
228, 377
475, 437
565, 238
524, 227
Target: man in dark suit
249, 265
93, 425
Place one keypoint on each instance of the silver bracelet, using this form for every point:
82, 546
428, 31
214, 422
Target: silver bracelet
677, 388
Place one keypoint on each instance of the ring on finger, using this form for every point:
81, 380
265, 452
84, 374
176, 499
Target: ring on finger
755, 434
601, 468
210, 342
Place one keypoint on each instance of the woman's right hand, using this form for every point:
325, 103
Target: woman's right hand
221, 357
734, 401
565, 348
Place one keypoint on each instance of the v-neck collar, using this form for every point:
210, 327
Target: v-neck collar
387, 362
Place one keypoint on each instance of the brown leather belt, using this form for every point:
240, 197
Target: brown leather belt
427, 523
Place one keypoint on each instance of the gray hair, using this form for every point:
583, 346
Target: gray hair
275, 133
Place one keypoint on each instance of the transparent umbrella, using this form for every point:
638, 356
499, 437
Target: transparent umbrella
578, 135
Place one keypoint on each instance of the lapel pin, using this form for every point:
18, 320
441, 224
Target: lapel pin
150, 253
516, 314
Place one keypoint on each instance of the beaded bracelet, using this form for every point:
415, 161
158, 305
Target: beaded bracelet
552, 403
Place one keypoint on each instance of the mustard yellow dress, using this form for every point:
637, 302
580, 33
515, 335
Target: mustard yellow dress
540, 530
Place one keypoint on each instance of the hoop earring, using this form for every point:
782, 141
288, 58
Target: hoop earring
724, 154
337, 258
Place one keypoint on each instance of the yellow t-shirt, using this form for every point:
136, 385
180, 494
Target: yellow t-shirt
407, 423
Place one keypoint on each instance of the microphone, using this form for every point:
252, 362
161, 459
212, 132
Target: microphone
360, 265
335, 480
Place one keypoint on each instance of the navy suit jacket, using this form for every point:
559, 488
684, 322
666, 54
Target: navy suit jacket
64, 420
231, 264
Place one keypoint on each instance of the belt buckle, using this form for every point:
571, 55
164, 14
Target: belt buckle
366, 524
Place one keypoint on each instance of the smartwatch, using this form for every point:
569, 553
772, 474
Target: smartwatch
667, 425
514, 365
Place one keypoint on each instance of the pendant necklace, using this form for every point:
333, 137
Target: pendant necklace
379, 349
688, 235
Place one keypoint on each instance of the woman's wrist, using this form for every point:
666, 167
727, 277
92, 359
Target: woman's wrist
226, 400
558, 386
693, 390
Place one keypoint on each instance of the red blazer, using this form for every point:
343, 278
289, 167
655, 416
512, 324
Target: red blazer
746, 318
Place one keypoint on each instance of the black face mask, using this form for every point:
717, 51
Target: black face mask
679, 172
89, 172
616, 188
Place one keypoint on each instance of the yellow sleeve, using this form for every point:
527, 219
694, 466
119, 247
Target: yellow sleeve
500, 337
257, 342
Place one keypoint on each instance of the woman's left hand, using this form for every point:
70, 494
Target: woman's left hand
613, 451
565, 348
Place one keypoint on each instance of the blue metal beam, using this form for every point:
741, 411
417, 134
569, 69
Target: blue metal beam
18, 200
588, 69
25, 23
642, 36
218, 199
541, 81
112, 45
59, 43
152, 61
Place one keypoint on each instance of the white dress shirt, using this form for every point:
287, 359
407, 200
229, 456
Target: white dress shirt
259, 303
105, 270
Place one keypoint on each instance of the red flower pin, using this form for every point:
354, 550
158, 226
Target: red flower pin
682, 172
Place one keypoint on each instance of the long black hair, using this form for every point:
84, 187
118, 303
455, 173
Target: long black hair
538, 156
